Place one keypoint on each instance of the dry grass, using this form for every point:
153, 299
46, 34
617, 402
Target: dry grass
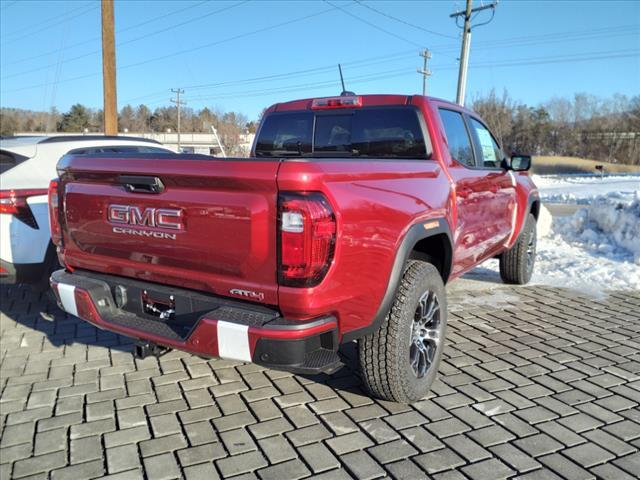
543, 165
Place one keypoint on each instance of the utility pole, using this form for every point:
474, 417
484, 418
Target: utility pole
426, 55
178, 103
466, 43
109, 70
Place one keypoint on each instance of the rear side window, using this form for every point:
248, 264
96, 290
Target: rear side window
367, 132
283, 134
8, 160
486, 146
457, 137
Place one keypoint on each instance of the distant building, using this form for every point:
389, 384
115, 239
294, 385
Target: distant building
204, 143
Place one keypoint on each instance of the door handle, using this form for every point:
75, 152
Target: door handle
141, 184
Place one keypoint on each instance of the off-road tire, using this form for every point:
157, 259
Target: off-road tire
384, 354
516, 264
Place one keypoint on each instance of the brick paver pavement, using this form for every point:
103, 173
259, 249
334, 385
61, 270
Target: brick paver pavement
537, 382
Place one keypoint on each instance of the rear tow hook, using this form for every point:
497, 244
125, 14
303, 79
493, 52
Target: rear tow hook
143, 350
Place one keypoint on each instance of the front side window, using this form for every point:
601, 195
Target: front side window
488, 149
460, 146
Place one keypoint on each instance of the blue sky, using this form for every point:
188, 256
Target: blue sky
245, 55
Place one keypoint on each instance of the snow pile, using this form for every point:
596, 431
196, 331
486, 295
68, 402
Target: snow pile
566, 265
582, 189
596, 249
605, 226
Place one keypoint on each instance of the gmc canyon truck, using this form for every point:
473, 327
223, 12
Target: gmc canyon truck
345, 223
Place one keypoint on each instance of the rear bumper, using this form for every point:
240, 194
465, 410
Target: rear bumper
204, 325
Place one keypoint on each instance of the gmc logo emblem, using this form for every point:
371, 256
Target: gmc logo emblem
145, 217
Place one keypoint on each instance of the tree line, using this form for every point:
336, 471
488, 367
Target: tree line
586, 126
604, 129
141, 119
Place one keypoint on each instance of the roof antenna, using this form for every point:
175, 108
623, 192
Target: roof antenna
345, 92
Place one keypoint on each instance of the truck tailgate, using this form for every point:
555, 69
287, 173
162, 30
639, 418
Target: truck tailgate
210, 225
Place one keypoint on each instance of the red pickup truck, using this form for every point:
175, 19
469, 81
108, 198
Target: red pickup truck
345, 223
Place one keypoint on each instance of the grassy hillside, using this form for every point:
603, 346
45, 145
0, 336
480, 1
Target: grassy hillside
544, 165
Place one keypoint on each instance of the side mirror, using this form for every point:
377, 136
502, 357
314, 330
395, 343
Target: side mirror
520, 163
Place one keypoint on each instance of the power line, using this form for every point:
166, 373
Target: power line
396, 55
189, 50
562, 59
556, 38
508, 42
6, 5
126, 42
356, 64
298, 85
373, 25
305, 86
50, 26
406, 71
118, 32
56, 75
235, 37
22, 29
297, 73
362, 4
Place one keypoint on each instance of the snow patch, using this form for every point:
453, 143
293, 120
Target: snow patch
582, 189
607, 226
596, 249
545, 221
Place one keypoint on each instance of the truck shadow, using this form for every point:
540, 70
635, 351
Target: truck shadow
26, 316
483, 274
34, 324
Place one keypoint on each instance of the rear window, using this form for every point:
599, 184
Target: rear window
8, 160
368, 132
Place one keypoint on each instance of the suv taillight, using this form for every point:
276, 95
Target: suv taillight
54, 213
14, 202
307, 238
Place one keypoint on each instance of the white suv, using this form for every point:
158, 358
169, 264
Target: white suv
27, 165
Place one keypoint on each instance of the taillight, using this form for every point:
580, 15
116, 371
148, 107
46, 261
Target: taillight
14, 202
336, 102
307, 238
54, 213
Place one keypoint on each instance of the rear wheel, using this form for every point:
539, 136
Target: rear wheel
516, 264
400, 360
